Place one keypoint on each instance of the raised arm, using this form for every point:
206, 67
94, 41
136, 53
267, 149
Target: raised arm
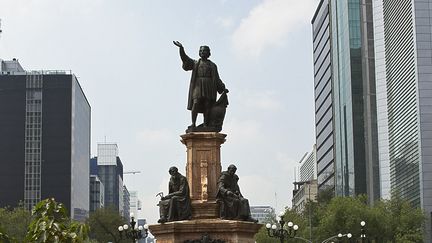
188, 63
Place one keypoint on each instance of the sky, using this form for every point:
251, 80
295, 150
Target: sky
130, 71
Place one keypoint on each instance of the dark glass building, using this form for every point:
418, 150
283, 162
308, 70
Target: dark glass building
97, 191
345, 102
44, 139
109, 168
324, 123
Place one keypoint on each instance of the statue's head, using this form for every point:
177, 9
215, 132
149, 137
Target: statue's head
204, 52
173, 170
232, 169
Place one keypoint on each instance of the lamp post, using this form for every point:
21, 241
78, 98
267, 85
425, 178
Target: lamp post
132, 232
362, 231
281, 233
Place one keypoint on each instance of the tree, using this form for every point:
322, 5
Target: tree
403, 222
51, 224
4, 238
392, 220
14, 222
104, 223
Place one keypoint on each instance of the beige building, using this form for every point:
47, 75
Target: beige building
307, 188
302, 193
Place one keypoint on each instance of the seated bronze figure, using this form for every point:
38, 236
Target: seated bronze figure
177, 204
232, 203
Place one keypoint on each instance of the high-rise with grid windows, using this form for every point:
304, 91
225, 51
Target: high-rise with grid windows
404, 31
44, 139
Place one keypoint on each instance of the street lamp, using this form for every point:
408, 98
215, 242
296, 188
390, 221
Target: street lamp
281, 233
131, 232
362, 230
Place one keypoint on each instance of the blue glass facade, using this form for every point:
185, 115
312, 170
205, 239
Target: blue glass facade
355, 130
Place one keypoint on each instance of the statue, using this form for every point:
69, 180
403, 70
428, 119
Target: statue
204, 86
176, 205
233, 204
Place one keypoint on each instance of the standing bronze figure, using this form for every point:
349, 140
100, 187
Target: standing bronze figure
232, 203
204, 85
176, 205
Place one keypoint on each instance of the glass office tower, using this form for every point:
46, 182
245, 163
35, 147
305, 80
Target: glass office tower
324, 124
355, 132
408, 70
345, 102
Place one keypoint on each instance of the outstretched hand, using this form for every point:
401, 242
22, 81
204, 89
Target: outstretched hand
177, 43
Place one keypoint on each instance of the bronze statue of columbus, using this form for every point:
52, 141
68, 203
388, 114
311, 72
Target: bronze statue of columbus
204, 85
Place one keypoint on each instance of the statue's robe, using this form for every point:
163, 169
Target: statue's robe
203, 84
178, 204
232, 207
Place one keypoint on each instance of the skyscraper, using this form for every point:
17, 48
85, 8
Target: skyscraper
110, 172
324, 123
406, 91
44, 138
355, 130
346, 124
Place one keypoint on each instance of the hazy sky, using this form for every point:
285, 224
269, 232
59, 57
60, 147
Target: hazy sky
122, 53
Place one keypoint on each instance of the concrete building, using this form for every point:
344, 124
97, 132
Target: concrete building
404, 75
304, 192
44, 139
307, 188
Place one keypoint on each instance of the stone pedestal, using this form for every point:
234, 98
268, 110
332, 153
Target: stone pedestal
203, 168
230, 231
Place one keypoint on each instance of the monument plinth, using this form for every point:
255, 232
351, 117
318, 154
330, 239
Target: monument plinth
203, 168
228, 231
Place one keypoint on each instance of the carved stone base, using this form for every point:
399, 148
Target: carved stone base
203, 166
205, 210
230, 231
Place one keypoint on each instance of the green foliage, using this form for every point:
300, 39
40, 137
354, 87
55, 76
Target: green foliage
51, 224
104, 225
14, 222
388, 221
4, 238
